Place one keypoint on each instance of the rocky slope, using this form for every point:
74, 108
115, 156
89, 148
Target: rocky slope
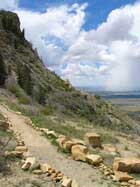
23, 73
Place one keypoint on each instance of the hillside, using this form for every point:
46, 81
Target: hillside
23, 74
52, 134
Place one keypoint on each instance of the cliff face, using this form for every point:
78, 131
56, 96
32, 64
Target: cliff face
20, 66
10, 22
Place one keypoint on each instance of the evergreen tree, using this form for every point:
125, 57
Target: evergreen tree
3, 73
42, 96
25, 79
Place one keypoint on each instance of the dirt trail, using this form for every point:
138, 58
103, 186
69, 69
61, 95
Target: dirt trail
44, 151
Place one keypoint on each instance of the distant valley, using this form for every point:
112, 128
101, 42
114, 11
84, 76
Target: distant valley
126, 101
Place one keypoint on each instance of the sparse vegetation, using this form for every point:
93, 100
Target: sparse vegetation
108, 138
126, 148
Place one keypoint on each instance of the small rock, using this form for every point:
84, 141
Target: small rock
19, 113
66, 182
13, 154
132, 182
61, 140
106, 173
21, 143
45, 167
30, 163
52, 134
21, 149
124, 184
53, 176
58, 179
37, 172
94, 159
52, 171
122, 176
138, 183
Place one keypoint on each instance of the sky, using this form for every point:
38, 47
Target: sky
93, 43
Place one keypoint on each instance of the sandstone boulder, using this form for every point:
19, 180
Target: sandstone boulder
21, 143
30, 164
45, 168
67, 145
21, 149
138, 183
66, 182
94, 159
131, 165
61, 140
122, 176
37, 172
44, 130
93, 139
13, 154
52, 134
79, 152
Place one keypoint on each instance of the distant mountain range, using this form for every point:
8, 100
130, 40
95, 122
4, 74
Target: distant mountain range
111, 94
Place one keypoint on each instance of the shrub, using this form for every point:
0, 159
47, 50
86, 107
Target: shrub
20, 94
24, 100
47, 110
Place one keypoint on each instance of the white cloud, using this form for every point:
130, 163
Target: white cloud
113, 49
54, 31
106, 57
8, 4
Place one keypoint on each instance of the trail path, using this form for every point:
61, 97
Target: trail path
45, 152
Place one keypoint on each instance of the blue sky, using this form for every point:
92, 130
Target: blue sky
96, 12
94, 43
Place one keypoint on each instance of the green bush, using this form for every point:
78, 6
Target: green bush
47, 110
20, 94
23, 100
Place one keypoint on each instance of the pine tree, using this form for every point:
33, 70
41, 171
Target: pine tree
3, 73
42, 96
25, 79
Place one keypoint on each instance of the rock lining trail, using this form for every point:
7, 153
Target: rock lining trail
45, 152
